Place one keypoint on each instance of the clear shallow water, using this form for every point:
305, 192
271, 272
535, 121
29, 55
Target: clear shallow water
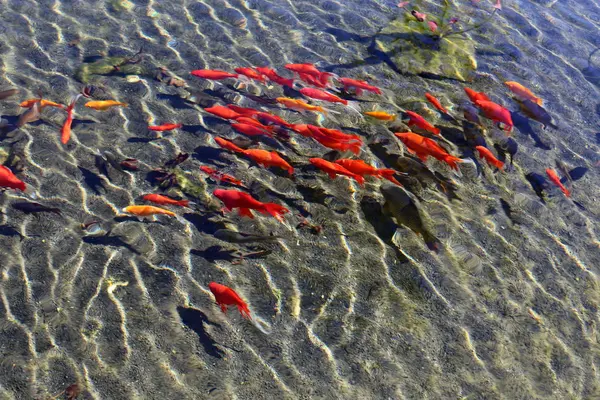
504, 310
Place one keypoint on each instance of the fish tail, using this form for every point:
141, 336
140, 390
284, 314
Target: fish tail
499, 164
183, 203
359, 179
436, 131
244, 310
275, 210
388, 173
354, 147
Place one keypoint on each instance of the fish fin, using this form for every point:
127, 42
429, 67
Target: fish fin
359, 179
183, 203
245, 212
275, 210
423, 157
244, 311
332, 175
358, 91
410, 151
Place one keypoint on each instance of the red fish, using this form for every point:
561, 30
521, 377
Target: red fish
165, 127
418, 121
308, 69
322, 95
419, 16
253, 122
223, 112
556, 180
358, 86
336, 135
273, 119
312, 80
164, 200
65, 132
474, 96
226, 296
335, 169
219, 176
236, 199
227, 145
213, 74
359, 167
250, 73
247, 112
485, 153
436, 103
251, 130
9, 180
268, 159
274, 77
496, 113
424, 147
316, 133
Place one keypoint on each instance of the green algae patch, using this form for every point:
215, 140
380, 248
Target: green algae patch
414, 49
109, 66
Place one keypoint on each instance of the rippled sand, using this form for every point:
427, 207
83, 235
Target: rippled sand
508, 309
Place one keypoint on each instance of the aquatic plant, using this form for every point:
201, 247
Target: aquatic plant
432, 45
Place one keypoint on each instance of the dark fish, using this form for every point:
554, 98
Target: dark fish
181, 157
239, 237
473, 134
5, 94
405, 210
332, 155
101, 165
537, 113
539, 184
31, 207
129, 164
31, 115
7, 230
508, 146
418, 171
113, 161
508, 211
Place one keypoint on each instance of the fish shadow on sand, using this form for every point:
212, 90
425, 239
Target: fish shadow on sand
92, 180
115, 241
195, 320
521, 122
77, 122
204, 223
216, 253
142, 140
208, 154
175, 101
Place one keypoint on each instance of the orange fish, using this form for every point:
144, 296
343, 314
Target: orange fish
435, 102
251, 130
226, 296
308, 69
272, 119
219, 176
299, 105
165, 127
9, 180
43, 103
268, 159
358, 86
333, 169
236, 199
556, 180
522, 92
424, 147
164, 200
223, 112
227, 145
359, 167
485, 153
496, 113
104, 105
213, 74
418, 121
65, 132
474, 96
145, 211
381, 115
